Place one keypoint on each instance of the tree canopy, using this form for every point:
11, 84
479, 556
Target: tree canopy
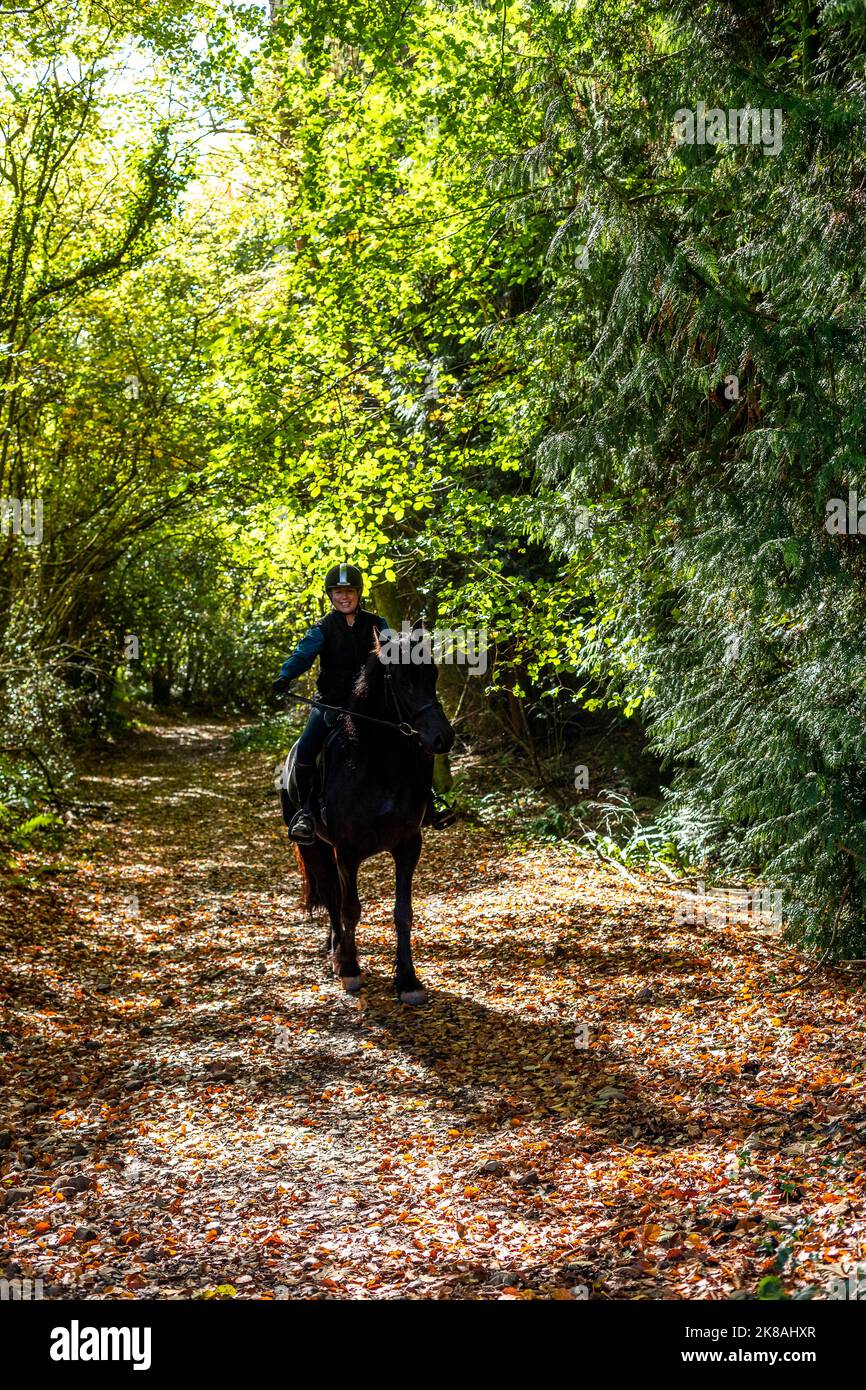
456, 291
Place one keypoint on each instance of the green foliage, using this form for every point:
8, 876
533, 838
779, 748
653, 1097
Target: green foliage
553, 824
770, 1289
39, 829
621, 835
275, 735
721, 604
436, 288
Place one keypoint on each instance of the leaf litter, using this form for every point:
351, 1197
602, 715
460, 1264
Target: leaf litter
598, 1101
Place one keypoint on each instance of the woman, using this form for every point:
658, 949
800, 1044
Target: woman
342, 641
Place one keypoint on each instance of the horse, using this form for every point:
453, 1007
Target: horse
376, 774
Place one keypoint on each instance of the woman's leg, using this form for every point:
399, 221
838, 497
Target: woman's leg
310, 745
311, 740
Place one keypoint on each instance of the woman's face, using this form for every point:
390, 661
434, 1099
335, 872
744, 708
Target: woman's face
344, 598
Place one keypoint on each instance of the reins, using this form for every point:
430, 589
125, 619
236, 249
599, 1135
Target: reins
403, 726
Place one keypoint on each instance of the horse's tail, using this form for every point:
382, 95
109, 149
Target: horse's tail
319, 880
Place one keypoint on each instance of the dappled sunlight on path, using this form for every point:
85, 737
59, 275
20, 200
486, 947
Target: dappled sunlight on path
190, 1101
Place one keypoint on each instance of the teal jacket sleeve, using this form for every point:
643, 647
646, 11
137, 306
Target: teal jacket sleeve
304, 654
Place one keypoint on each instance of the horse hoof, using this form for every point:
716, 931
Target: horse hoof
413, 996
351, 983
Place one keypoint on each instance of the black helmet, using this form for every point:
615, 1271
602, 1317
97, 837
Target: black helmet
344, 574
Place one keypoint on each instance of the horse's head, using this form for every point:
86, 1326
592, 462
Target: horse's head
410, 677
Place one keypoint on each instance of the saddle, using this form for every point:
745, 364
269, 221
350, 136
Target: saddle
290, 801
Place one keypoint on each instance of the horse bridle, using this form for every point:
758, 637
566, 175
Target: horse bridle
404, 727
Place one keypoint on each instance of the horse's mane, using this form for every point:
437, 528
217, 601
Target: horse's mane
365, 686
369, 681
362, 689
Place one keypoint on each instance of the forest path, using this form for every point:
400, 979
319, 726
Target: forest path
177, 1122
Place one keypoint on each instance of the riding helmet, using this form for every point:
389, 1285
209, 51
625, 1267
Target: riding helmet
344, 574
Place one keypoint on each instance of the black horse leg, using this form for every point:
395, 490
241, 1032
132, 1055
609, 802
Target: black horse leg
332, 903
345, 956
322, 886
409, 987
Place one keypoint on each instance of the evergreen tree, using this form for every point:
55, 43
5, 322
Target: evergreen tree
700, 352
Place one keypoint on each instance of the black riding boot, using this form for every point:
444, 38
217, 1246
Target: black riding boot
438, 814
303, 829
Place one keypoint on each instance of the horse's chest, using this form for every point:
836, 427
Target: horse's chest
364, 791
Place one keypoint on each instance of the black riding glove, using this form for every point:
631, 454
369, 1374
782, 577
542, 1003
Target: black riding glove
281, 685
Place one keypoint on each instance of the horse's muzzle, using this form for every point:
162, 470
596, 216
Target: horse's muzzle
438, 737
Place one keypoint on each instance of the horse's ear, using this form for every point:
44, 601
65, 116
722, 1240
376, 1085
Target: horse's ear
377, 645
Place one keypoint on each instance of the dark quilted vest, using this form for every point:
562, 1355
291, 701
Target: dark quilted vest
345, 651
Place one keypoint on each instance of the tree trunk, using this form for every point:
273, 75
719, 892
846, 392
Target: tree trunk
160, 685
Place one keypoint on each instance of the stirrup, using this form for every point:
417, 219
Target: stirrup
302, 829
442, 816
